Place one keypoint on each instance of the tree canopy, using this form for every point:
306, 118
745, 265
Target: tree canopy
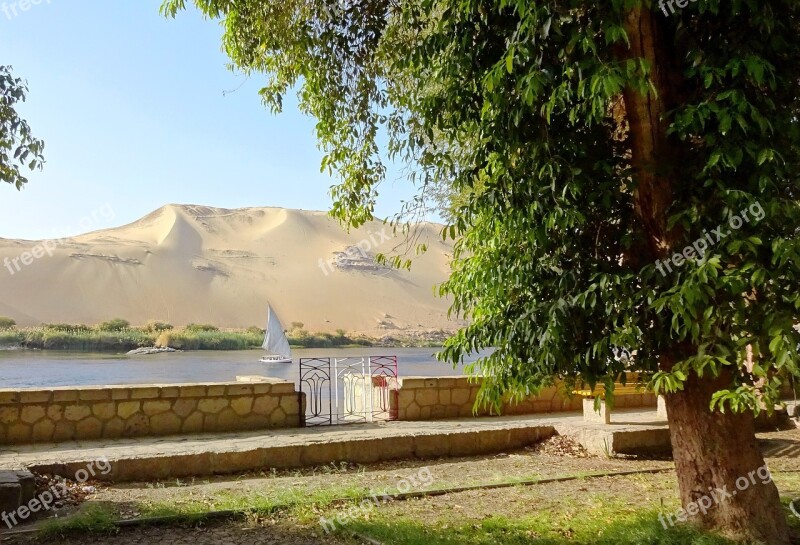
627, 178
524, 100
18, 147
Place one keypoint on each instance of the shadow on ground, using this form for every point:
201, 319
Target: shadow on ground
213, 534
780, 448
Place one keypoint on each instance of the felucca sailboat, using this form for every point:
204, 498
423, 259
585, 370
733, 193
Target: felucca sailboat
275, 342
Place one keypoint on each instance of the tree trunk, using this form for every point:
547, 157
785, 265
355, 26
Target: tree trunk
711, 450
720, 466
653, 156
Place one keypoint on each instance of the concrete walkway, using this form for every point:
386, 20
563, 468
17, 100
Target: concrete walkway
154, 458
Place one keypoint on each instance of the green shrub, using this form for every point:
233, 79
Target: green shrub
154, 326
68, 327
7, 323
200, 327
255, 330
305, 339
10, 337
117, 324
89, 340
210, 340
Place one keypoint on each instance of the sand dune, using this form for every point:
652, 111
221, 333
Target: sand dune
186, 263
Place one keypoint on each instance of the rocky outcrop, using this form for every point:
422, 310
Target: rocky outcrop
354, 258
151, 350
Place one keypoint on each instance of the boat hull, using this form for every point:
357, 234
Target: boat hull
275, 359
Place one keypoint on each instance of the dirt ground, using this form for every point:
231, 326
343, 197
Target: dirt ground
444, 473
782, 450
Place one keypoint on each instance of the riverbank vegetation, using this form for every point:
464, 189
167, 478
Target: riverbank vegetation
119, 335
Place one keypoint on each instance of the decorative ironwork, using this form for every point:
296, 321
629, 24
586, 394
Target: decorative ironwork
349, 401
349, 390
383, 372
315, 373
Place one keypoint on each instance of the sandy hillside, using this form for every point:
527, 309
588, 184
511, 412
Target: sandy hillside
187, 264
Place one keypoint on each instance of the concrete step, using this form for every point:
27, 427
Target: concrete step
147, 459
158, 458
16, 488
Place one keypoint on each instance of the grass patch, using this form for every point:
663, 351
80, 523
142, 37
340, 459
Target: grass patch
101, 518
94, 518
295, 502
573, 513
601, 528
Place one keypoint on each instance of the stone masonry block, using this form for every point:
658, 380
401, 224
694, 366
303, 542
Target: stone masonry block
128, 408
152, 392
590, 415
239, 390
104, 411
9, 414
156, 406
76, 412
242, 405
283, 388
427, 397
120, 393
94, 394
193, 391
184, 407
8, 396
215, 390
34, 396
65, 395
212, 406
661, 409
32, 413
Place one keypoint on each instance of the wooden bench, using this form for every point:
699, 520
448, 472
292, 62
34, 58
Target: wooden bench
604, 415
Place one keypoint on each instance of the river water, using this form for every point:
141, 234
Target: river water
40, 368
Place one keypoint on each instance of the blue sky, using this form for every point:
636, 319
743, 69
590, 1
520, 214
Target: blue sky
131, 108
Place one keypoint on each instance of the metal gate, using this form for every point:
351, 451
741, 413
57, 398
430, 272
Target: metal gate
349, 390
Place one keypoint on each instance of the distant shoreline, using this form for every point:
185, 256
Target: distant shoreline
121, 337
18, 348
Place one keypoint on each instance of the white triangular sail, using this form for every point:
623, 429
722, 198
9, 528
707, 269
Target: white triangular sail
275, 341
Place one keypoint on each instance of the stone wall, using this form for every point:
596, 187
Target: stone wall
421, 398
65, 414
